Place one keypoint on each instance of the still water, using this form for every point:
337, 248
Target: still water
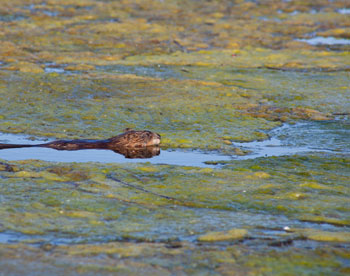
289, 139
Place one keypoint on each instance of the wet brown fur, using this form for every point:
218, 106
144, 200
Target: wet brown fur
130, 139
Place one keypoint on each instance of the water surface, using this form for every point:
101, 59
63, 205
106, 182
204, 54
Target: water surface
320, 40
303, 137
289, 139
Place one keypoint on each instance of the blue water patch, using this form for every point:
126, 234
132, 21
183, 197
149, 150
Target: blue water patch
344, 11
289, 139
169, 157
320, 40
12, 17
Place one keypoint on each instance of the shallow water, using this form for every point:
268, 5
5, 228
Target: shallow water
158, 71
54, 70
262, 226
184, 69
170, 157
320, 40
181, 158
344, 11
331, 136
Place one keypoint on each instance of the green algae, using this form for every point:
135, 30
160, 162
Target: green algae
83, 199
185, 114
104, 32
282, 264
229, 235
203, 74
168, 259
322, 219
180, 114
325, 236
226, 105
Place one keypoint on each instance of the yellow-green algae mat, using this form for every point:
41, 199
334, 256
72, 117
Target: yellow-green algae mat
250, 216
202, 74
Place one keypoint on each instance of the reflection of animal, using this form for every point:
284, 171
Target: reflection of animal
130, 142
147, 152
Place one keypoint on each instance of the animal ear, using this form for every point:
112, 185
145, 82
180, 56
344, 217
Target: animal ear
128, 129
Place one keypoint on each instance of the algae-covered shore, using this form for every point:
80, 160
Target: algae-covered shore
206, 75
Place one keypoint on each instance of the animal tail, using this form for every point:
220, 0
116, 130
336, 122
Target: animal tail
14, 146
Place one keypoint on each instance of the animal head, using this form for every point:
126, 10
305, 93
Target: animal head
136, 139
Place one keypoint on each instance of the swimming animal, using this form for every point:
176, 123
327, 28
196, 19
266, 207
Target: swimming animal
130, 143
